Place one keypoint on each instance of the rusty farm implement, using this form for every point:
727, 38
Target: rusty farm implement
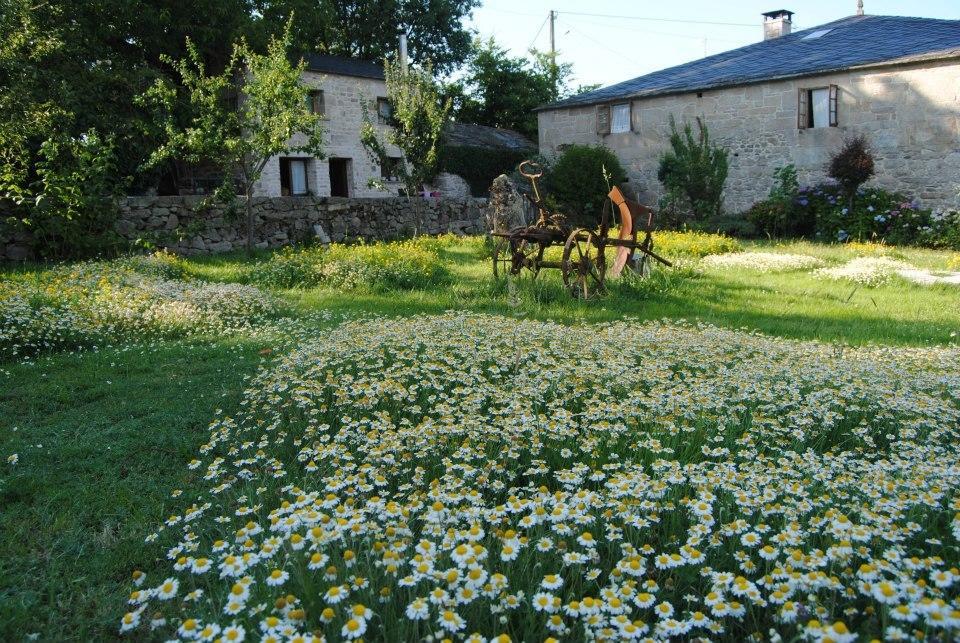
584, 264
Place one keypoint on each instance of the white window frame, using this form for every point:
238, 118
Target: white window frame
620, 118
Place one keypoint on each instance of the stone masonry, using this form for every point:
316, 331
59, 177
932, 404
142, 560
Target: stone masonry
180, 224
185, 226
910, 115
343, 100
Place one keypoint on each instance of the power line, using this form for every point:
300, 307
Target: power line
691, 22
530, 46
601, 44
655, 33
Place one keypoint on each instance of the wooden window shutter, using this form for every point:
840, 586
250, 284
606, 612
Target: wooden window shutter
603, 119
833, 105
803, 105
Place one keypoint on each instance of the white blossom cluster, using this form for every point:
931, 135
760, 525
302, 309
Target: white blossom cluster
479, 478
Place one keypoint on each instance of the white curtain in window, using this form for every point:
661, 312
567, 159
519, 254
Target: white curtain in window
820, 107
298, 177
620, 118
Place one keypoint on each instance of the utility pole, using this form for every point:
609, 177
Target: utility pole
553, 51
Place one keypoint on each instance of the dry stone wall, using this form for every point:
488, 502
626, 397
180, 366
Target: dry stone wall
185, 226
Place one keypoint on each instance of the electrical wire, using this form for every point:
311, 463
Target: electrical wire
679, 20
602, 44
542, 24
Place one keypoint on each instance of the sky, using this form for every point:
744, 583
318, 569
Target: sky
648, 36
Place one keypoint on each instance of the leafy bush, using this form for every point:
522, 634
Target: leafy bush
577, 180
66, 201
779, 215
878, 215
162, 263
693, 171
479, 166
400, 264
693, 244
851, 166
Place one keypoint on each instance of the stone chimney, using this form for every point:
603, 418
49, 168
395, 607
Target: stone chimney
777, 23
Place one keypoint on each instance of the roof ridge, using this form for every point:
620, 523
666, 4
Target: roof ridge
851, 41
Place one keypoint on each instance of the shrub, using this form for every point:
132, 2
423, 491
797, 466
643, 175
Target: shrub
577, 180
693, 244
693, 171
877, 215
779, 215
162, 263
851, 166
479, 166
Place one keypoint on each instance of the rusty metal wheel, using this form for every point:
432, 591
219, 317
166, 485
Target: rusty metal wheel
583, 264
512, 256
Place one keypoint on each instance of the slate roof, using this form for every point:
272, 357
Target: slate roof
485, 136
857, 41
343, 66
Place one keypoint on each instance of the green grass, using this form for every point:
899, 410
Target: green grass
117, 426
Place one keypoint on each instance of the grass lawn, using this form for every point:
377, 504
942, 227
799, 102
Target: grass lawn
103, 437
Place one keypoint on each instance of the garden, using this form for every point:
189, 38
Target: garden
380, 441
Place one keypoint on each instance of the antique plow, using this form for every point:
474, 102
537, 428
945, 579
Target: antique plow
583, 263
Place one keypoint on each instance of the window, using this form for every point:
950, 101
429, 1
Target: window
315, 102
293, 177
390, 170
817, 107
384, 110
620, 118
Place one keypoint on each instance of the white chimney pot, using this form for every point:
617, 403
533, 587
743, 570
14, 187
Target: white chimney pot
777, 23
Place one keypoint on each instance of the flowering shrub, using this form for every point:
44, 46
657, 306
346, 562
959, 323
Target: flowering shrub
877, 214
693, 245
401, 264
87, 304
469, 477
762, 261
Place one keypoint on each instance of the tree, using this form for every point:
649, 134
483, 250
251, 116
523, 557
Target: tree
694, 170
502, 91
57, 172
417, 121
256, 108
370, 29
851, 166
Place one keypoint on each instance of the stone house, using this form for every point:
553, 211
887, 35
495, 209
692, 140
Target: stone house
792, 99
339, 88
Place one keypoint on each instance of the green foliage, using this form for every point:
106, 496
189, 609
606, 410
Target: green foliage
479, 166
780, 215
693, 172
418, 117
577, 182
240, 117
851, 166
877, 215
66, 200
502, 91
368, 29
401, 264
691, 244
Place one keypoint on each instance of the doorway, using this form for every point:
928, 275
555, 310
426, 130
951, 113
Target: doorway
340, 177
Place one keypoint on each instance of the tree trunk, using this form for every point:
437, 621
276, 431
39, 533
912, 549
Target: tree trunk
249, 196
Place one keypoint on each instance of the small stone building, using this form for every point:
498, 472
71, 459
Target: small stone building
792, 99
339, 88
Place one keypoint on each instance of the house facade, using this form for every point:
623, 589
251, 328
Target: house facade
792, 99
339, 87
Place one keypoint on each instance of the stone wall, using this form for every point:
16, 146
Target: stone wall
909, 113
182, 225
